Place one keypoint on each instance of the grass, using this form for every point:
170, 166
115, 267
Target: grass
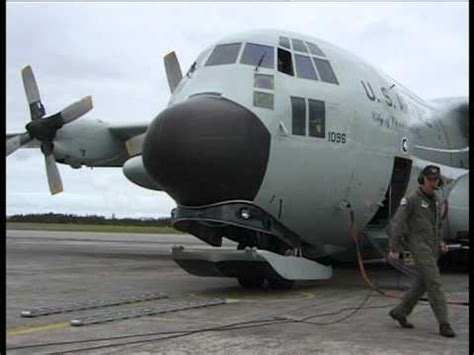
91, 228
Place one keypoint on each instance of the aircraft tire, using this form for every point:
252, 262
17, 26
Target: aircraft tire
279, 283
251, 282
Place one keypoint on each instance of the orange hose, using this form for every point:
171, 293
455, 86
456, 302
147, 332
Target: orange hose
365, 276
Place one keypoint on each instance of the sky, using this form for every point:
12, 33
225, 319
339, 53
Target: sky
114, 52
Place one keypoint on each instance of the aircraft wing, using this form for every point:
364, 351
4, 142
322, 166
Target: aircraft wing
451, 121
449, 102
127, 131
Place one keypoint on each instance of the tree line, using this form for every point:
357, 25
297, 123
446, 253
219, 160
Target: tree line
89, 219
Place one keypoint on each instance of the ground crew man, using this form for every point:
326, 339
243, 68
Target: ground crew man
417, 225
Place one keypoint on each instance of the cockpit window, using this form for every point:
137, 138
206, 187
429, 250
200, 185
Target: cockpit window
325, 70
224, 54
203, 55
314, 49
298, 45
317, 118
304, 67
285, 42
256, 54
285, 64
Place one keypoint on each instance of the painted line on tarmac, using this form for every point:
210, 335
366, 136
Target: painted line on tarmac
36, 329
232, 297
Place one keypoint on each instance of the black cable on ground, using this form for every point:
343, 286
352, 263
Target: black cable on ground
240, 325
274, 319
356, 309
360, 260
118, 337
183, 334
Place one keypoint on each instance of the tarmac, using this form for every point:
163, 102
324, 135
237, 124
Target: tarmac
336, 316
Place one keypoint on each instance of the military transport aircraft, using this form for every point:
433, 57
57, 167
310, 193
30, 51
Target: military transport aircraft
271, 139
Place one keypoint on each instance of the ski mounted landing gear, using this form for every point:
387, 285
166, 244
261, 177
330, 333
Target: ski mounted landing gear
267, 250
250, 266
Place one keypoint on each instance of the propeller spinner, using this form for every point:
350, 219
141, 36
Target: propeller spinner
45, 129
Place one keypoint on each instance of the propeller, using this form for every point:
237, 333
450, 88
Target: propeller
44, 129
173, 70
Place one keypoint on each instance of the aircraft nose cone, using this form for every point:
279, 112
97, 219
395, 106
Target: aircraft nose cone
206, 150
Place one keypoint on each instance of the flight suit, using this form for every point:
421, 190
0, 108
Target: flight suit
417, 225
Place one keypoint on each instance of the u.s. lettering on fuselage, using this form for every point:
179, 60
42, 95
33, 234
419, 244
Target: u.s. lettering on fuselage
383, 119
388, 98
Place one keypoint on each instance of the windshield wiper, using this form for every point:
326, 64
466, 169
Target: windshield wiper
260, 61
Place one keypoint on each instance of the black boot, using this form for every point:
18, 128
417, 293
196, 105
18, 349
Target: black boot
446, 330
402, 320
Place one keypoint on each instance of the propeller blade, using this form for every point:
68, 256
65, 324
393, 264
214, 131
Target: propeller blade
134, 145
77, 109
32, 93
16, 142
173, 70
52, 171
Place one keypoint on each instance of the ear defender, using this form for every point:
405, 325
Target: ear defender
440, 182
420, 179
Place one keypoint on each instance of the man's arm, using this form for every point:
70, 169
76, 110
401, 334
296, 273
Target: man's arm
399, 226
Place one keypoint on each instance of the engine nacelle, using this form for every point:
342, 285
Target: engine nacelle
457, 223
134, 170
88, 142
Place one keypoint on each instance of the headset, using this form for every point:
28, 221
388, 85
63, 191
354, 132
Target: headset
422, 175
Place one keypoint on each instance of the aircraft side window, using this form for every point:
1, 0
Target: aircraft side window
298, 110
304, 67
285, 64
285, 42
263, 81
263, 99
325, 71
314, 49
317, 118
224, 54
298, 45
256, 54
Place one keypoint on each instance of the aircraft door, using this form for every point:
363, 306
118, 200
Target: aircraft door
396, 190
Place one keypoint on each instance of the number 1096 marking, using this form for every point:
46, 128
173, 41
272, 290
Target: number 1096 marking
337, 137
